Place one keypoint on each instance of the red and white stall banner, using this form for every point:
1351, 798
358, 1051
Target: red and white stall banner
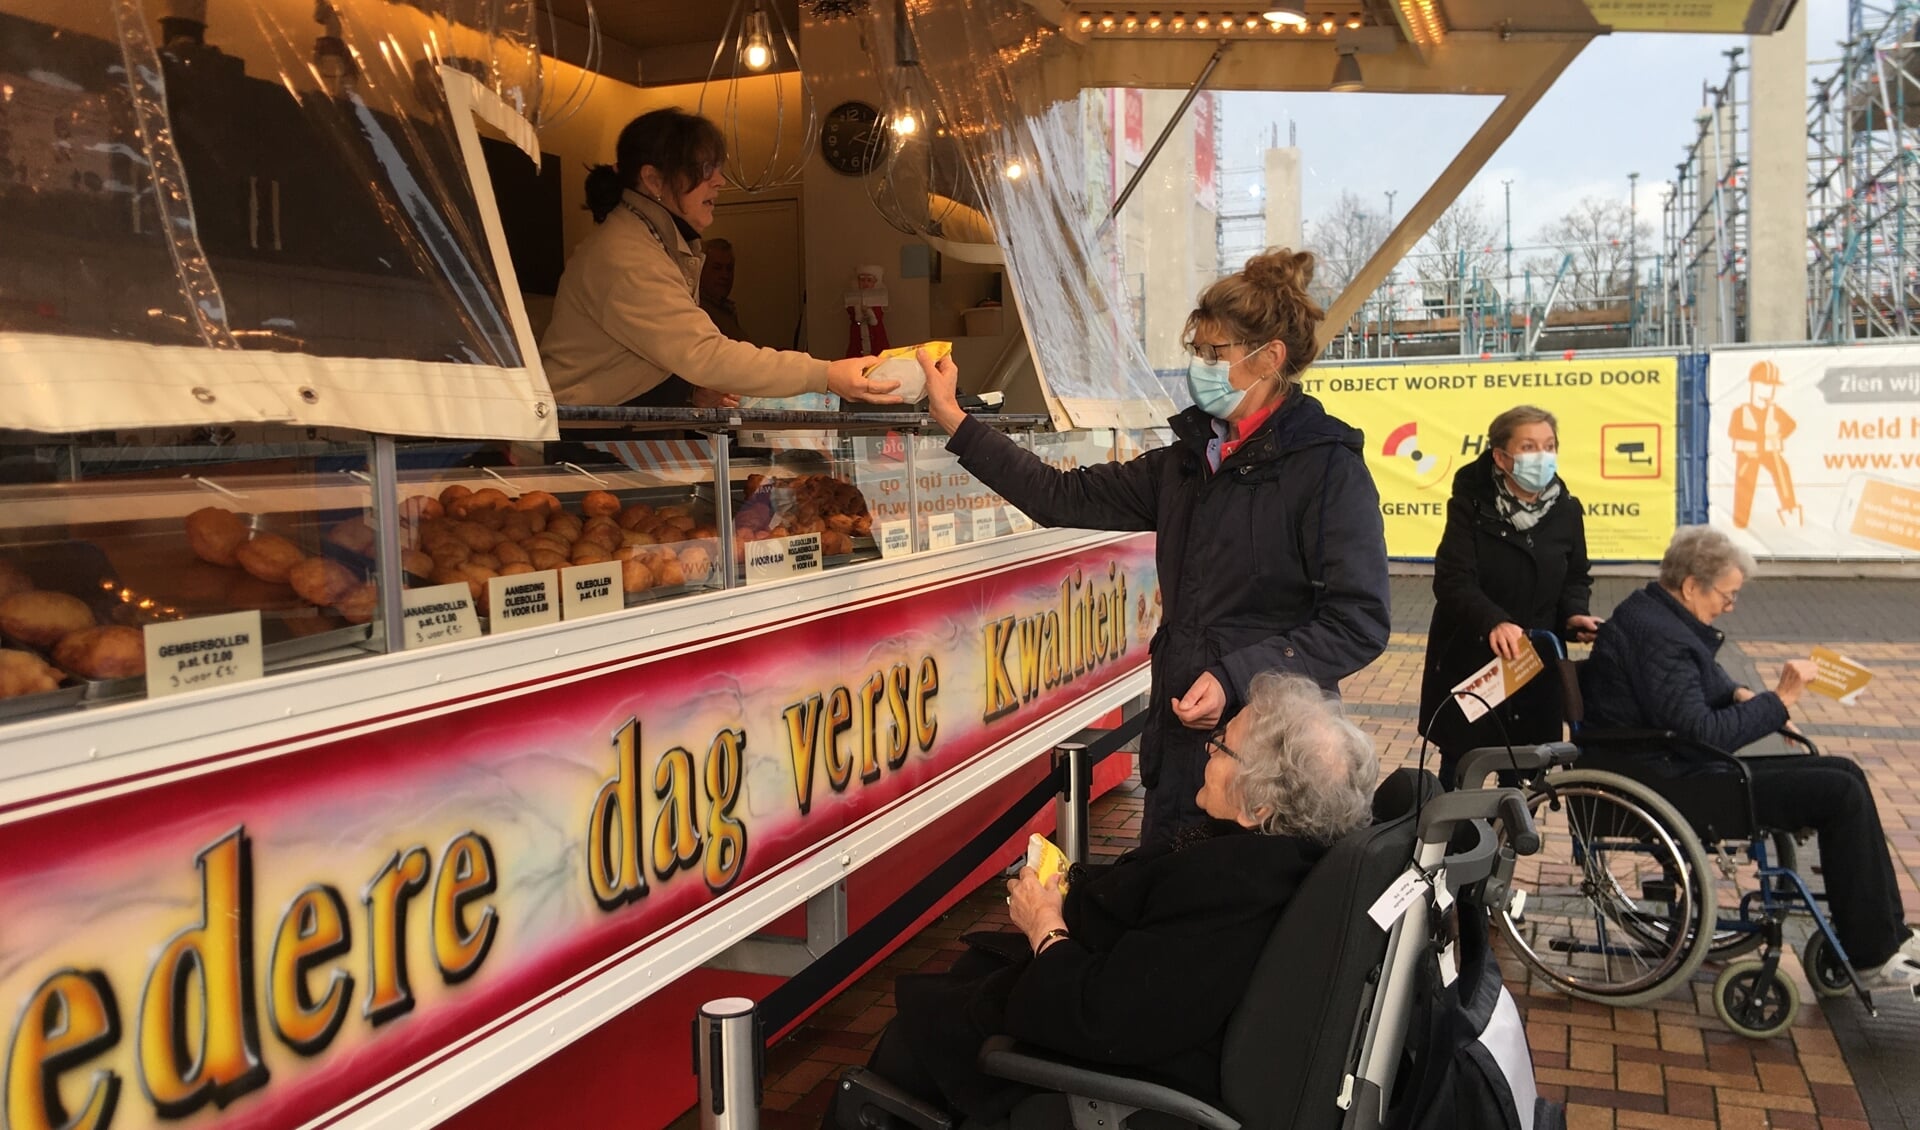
268, 940
1814, 453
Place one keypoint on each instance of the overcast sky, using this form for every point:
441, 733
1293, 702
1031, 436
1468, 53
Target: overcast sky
1625, 105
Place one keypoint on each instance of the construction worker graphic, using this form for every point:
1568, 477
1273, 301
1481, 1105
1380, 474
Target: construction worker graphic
1759, 430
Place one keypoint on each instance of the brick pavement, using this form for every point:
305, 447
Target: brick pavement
1668, 1066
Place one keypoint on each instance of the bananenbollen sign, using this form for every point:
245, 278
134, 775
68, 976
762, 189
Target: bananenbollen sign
1424, 422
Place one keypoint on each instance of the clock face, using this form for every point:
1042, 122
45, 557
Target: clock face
850, 138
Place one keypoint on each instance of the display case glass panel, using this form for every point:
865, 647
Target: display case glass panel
96, 573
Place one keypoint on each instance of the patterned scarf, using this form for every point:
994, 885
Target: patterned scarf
1523, 515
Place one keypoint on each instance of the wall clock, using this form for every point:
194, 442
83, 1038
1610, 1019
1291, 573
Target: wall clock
850, 138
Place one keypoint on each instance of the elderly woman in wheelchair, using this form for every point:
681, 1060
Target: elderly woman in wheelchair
1625, 908
1140, 962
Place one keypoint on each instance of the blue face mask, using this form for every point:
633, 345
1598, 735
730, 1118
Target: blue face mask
1210, 388
1534, 470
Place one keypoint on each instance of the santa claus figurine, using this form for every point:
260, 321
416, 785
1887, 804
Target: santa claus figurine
866, 307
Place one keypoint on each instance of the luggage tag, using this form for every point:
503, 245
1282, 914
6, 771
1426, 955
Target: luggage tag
1387, 909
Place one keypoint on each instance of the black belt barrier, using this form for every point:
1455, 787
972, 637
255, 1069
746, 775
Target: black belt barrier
784, 1005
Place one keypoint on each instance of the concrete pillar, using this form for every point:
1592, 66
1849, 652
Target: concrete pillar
1283, 198
1777, 224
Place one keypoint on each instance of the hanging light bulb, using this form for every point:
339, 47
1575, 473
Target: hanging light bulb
1015, 170
907, 114
756, 48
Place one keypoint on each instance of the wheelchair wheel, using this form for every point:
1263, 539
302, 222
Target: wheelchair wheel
1824, 968
1753, 1003
1618, 905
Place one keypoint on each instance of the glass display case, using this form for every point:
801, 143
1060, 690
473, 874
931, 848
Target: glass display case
327, 539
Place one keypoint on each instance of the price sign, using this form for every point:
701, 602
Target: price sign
523, 600
940, 531
439, 614
589, 590
1016, 521
208, 651
984, 524
895, 539
777, 558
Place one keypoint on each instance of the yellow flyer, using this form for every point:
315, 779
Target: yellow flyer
1047, 860
903, 365
1495, 683
1839, 678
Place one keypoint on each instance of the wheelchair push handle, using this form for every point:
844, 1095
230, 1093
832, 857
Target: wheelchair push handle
1551, 639
1478, 763
1521, 833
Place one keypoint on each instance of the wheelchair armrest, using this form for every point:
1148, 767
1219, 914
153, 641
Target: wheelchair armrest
1444, 813
1004, 1058
1478, 763
869, 1088
1794, 738
1668, 739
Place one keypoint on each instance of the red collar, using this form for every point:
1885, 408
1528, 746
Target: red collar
1245, 427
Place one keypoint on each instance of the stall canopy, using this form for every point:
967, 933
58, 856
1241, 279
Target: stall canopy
264, 211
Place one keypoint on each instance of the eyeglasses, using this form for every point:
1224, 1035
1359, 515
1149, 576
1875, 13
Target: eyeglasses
1209, 351
1732, 598
1216, 741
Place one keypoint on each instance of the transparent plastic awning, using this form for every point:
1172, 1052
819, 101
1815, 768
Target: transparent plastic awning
263, 211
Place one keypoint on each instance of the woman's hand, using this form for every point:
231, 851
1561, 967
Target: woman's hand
943, 391
848, 378
1200, 708
1506, 640
712, 398
1583, 628
1794, 678
1035, 906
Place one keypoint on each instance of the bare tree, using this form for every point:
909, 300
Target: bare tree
1457, 251
1596, 234
1343, 238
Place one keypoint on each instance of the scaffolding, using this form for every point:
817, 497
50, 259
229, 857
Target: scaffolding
1698, 284
1864, 226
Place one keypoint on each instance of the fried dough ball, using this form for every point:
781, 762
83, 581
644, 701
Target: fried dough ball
40, 619
449, 554
863, 527
421, 508
600, 504
537, 500
23, 672
840, 523
565, 525
510, 554
833, 543
354, 535
754, 482
637, 537
270, 557
707, 532
515, 525
453, 494
214, 534
544, 559
486, 498
485, 561
635, 576
473, 576
107, 652
13, 579
358, 605
321, 581
477, 536
415, 562
696, 562
668, 573
553, 542
515, 568
590, 553
639, 514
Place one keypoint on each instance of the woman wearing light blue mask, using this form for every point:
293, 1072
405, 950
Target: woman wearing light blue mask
1513, 559
1270, 546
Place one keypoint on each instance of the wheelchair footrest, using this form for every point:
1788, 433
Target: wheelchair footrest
870, 1102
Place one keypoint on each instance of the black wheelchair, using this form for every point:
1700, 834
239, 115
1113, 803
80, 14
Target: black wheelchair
1646, 870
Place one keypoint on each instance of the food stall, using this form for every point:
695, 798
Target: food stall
379, 739
383, 742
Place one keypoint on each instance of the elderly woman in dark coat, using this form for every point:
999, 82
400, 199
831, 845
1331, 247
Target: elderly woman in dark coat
1654, 667
1513, 559
1142, 961
1271, 551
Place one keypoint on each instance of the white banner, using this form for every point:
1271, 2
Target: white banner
1813, 452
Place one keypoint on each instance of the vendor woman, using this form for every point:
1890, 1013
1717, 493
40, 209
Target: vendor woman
627, 315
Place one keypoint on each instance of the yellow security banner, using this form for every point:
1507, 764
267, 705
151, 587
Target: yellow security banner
1754, 17
1425, 421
